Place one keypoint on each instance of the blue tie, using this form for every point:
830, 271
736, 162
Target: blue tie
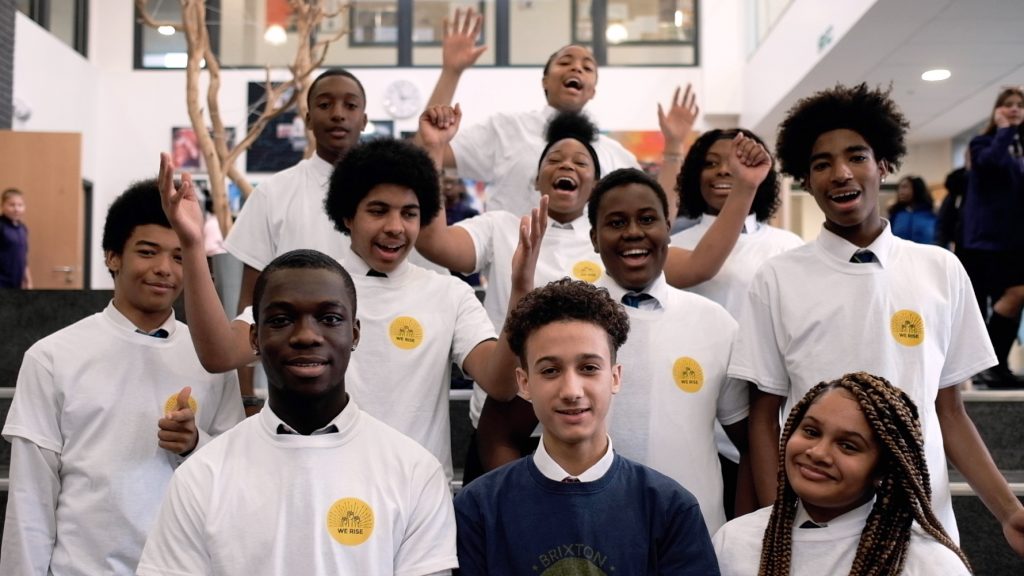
158, 333
634, 300
864, 256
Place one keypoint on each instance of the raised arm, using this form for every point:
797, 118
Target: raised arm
444, 245
459, 51
220, 344
749, 162
492, 364
764, 443
676, 125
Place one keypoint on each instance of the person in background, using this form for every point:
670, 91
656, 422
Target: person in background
14, 272
912, 216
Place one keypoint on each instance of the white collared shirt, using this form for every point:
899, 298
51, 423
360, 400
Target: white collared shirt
554, 471
122, 321
657, 290
843, 250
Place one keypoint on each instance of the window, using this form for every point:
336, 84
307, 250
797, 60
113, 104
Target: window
68, 20
381, 33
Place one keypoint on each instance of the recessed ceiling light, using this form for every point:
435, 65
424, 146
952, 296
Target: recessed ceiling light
166, 30
935, 75
275, 35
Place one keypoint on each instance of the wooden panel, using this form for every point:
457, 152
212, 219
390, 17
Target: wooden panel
47, 168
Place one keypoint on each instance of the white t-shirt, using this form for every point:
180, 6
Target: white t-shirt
757, 243
505, 151
87, 402
912, 319
364, 500
827, 549
413, 325
285, 213
674, 385
566, 250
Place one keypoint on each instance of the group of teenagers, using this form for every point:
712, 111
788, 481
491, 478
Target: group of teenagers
831, 367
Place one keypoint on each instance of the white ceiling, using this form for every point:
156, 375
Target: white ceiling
980, 41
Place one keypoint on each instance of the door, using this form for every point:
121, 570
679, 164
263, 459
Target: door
47, 168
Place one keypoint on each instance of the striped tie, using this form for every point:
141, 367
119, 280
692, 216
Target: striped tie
863, 257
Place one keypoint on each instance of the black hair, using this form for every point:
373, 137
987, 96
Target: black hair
382, 161
566, 300
295, 260
921, 200
575, 126
551, 59
956, 182
868, 112
688, 182
333, 72
139, 205
623, 177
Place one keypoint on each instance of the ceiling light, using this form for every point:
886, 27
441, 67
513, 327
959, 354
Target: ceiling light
616, 34
166, 30
275, 35
935, 75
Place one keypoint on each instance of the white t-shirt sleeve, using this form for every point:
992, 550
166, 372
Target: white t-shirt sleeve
428, 546
30, 529
733, 401
970, 349
252, 238
176, 546
229, 411
481, 231
37, 405
472, 326
475, 151
756, 356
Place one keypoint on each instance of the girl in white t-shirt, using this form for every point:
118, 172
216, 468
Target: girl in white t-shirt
854, 495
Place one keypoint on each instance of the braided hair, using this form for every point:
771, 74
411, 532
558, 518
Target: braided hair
902, 494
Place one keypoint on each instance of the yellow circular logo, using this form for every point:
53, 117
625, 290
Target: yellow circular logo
907, 327
688, 375
406, 332
587, 271
350, 521
172, 404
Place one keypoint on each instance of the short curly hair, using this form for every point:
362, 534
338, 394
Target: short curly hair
139, 205
566, 300
382, 161
869, 112
693, 204
623, 177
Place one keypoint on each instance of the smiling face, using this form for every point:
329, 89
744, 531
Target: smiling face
337, 115
147, 275
631, 235
306, 332
385, 226
716, 179
570, 378
832, 456
570, 79
567, 176
844, 180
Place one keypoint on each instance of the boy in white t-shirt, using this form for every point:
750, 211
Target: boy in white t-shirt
311, 485
107, 408
860, 299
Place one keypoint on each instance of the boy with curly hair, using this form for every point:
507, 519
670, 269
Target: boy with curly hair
860, 299
575, 507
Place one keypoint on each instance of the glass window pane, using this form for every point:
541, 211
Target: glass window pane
163, 48
642, 32
62, 20
428, 29
372, 39
25, 6
549, 20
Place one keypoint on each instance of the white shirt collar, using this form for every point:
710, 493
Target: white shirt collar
553, 471
356, 266
658, 289
580, 225
857, 515
842, 250
750, 223
122, 321
322, 168
344, 421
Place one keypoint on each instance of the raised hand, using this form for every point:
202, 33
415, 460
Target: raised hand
178, 433
749, 162
677, 123
458, 48
181, 205
531, 233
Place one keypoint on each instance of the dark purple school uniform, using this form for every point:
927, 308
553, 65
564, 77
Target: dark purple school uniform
13, 253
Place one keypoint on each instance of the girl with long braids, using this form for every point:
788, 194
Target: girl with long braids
854, 495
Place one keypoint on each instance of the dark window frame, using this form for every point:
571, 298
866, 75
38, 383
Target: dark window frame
39, 12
